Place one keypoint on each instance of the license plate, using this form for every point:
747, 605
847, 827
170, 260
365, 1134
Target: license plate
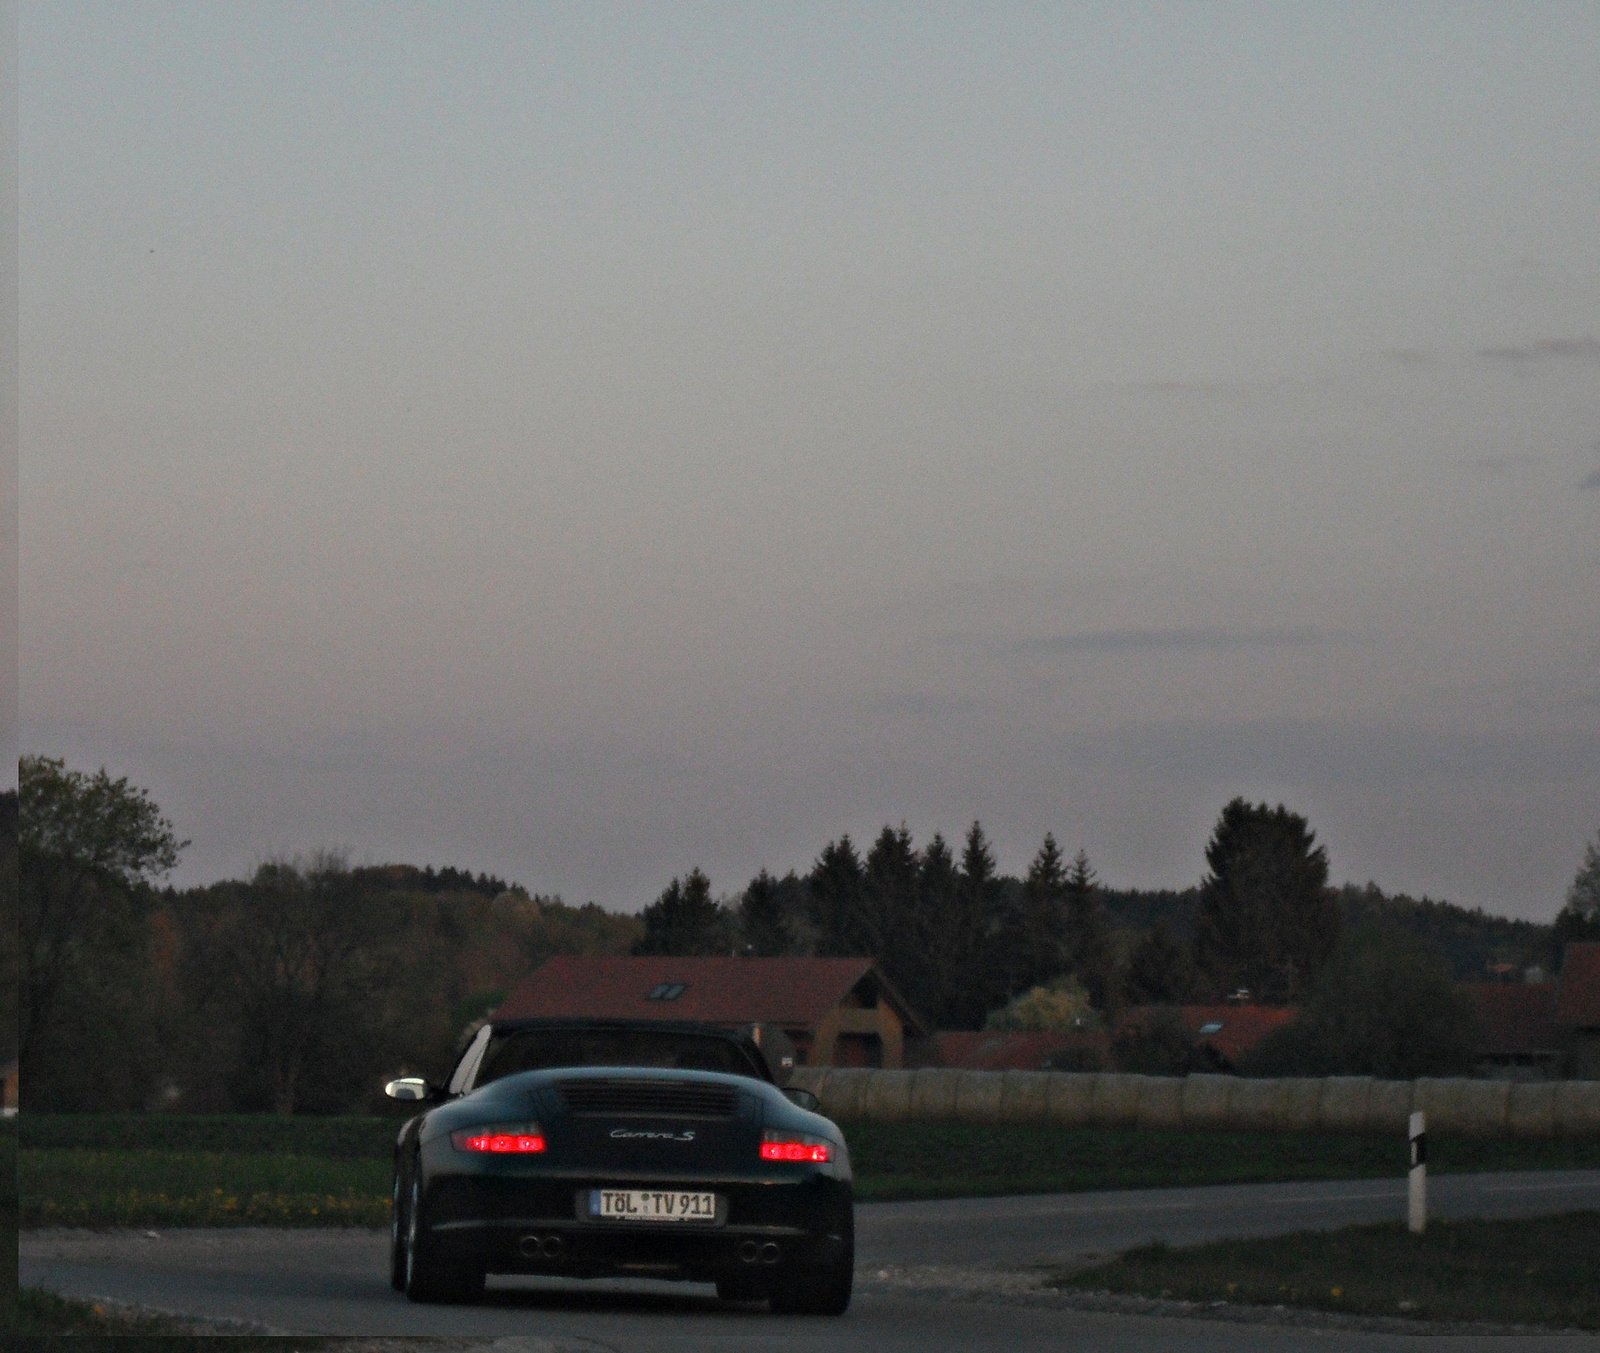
652, 1205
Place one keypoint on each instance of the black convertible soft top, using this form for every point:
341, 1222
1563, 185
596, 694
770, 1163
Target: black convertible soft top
536, 1044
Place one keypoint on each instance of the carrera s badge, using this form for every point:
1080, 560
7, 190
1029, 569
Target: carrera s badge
634, 1133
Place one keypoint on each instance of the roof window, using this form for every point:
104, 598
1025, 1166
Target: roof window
668, 991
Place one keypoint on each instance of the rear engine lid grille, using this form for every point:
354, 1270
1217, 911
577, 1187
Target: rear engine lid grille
649, 1099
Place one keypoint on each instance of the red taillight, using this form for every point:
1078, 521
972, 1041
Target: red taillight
517, 1140
794, 1146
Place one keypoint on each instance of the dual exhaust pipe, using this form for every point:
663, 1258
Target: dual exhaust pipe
541, 1247
752, 1253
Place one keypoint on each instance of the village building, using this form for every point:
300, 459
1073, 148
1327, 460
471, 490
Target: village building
836, 1011
1577, 1009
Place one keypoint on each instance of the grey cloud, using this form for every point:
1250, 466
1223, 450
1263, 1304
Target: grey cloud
1501, 464
923, 706
1206, 639
1345, 754
1590, 481
1586, 348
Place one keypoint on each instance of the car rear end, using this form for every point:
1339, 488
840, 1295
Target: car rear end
649, 1172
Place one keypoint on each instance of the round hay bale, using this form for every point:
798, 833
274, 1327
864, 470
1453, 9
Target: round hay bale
1069, 1098
1578, 1105
1300, 1104
1389, 1106
1481, 1107
1024, 1096
842, 1091
1205, 1100
1116, 1099
1161, 1102
1343, 1106
887, 1097
1531, 1109
1257, 1105
978, 1096
808, 1077
933, 1093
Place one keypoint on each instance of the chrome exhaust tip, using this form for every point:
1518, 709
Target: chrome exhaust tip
749, 1252
529, 1246
553, 1247
769, 1253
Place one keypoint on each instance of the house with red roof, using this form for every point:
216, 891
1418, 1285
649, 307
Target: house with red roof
1518, 1038
836, 1011
1577, 1009
1017, 1050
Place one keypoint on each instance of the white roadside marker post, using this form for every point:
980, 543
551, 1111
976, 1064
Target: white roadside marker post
1417, 1191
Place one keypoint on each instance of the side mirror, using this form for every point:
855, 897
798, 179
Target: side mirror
804, 1098
411, 1089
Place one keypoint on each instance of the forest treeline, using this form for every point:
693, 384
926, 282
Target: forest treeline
300, 988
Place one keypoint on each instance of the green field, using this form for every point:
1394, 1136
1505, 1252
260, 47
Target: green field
151, 1170
953, 1160
1542, 1271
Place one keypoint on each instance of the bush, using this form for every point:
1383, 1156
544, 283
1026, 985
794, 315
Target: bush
1061, 1007
1157, 1042
1384, 1006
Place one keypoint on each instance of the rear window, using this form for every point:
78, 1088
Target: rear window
540, 1049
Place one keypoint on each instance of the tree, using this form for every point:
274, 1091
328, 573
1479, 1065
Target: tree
303, 966
1061, 1007
88, 847
1160, 969
1090, 950
973, 982
10, 926
685, 920
1156, 1042
770, 915
1267, 919
1580, 918
833, 889
1035, 932
1385, 1005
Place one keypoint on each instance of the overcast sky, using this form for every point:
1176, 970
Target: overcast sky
582, 443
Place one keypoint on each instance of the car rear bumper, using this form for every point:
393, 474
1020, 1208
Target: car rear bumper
520, 1226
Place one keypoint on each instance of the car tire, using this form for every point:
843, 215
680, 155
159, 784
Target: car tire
817, 1289
397, 1235
428, 1275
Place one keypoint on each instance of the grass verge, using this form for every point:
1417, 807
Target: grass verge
200, 1188
1541, 1271
151, 1170
962, 1160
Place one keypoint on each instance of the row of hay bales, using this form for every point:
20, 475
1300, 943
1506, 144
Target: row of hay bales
1333, 1104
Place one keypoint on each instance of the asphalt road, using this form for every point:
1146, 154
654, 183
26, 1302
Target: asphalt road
931, 1276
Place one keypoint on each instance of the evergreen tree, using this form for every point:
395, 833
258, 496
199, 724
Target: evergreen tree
1090, 949
685, 920
767, 915
1268, 921
833, 891
977, 982
1580, 918
1034, 924
889, 927
941, 963
1160, 969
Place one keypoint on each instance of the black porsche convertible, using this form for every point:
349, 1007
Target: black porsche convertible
604, 1148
